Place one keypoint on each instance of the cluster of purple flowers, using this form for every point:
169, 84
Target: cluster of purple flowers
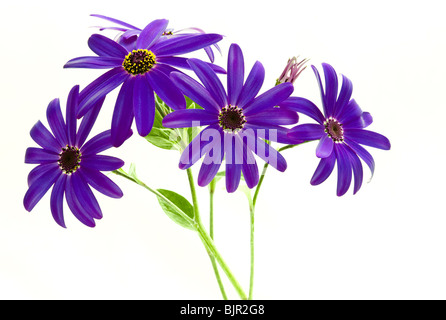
239, 123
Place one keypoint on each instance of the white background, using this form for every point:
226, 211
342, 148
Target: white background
386, 242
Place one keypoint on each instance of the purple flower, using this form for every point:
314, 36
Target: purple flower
236, 121
143, 72
340, 131
130, 34
292, 70
70, 164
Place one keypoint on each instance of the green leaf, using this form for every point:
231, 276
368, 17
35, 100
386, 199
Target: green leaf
177, 208
164, 138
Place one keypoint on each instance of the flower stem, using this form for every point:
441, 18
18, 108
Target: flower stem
209, 243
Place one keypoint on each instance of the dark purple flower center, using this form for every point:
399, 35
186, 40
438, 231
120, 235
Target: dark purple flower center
334, 130
139, 61
69, 159
231, 118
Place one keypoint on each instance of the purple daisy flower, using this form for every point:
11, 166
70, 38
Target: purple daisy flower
130, 33
71, 164
142, 73
340, 131
236, 121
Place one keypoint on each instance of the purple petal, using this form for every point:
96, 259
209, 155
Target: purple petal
321, 89
57, 122
56, 202
87, 122
37, 155
351, 112
274, 116
181, 62
368, 138
151, 33
252, 85
195, 91
273, 133
189, 118
99, 88
304, 106
269, 154
94, 62
249, 168
269, 99
233, 175
210, 80
166, 89
37, 171
360, 122
143, 105
367, 118
72, 103
344, 170
122, 23
102, 163
324, 169
75, 206
123, 113
209, 168
40, 186
106, 47
100, 142
101, 183
363, 153
325, 147
331, 88
344, 96
40, 134
307, 132
85, 195
236, 73
182, 45
193, 152
357, 168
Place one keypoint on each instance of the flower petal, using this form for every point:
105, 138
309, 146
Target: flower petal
268, 154
122, 114
331, 88
182, 62
40, 186
37, 155
210, 80
344, 170
274, 116
102, 163
57, 122
193, 152
357, 168
185, 44
37, 171
249, 168
252, 85
344, 96
233, 176
122, 23
100, 142
195, 91
99, 88
304, 106
209, 169
325, 147
151, 33
236, 73
166, 89
143, 105
351, 112
56, 202
363, 153
368, 138
101, 183
189, 118
75, 206
72, 103
40, 134
324, 169
269, 99
360, 122
85, 195
106, 47
307, 132
321, 89
87, 122
94, 62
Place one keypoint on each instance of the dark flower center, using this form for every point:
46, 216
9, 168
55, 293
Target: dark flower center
231, 118
334, 130
69, 160
139, 61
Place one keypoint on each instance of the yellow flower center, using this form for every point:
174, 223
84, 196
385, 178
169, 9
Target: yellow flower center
139, 61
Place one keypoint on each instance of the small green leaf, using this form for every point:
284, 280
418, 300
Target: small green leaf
164, 138
177, 208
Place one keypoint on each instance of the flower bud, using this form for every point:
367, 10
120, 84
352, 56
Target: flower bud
292, 70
